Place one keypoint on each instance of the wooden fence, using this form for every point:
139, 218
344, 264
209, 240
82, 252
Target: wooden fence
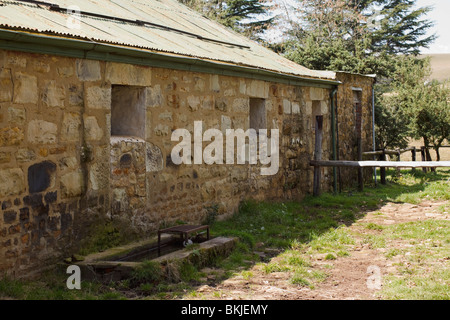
382, 164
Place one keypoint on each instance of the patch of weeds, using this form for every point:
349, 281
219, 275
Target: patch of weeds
147, 272
189, 272
330, 256
103, 236
374, 241
335, 239
308, 278
10, 288
392, 253
374, 226
211, 214
247, 274
275, 267
299, 279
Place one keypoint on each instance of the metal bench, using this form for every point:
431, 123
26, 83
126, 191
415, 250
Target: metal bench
183, 231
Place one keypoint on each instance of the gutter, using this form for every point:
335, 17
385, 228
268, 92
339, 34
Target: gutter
82, 49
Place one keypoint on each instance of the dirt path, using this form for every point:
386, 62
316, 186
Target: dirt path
349, 277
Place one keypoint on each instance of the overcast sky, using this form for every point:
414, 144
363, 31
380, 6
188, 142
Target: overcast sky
441, 16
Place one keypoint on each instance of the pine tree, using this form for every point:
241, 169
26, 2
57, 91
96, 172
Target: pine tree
245, 16
362, 36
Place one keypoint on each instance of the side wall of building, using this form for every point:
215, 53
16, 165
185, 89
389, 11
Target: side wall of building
355, 90
84, 143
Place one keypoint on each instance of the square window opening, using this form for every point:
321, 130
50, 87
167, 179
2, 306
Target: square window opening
258, 114
128, 111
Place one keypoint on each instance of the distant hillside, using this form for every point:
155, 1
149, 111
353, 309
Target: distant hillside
440, 65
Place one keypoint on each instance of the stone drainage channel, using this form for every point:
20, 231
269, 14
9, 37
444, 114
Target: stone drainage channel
118, 263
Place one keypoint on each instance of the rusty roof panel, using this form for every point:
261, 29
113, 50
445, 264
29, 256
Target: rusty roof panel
157, 25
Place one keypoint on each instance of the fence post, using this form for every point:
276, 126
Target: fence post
360, 169
413, 157
318, 154
383, 169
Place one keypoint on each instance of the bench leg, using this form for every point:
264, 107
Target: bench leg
159, 244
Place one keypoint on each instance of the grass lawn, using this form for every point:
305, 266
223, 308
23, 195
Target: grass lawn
283, 236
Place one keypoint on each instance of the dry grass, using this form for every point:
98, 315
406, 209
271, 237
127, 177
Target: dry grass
444, 152
440, 65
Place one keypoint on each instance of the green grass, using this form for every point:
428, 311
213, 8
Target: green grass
423, 272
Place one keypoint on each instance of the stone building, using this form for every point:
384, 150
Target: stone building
91, 95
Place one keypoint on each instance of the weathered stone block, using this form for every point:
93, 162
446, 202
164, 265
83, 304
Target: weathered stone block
12, 182
9, 216
193, 103
92, 130
221, 104
242, 86
11, 136
6, 85
70, 129
42, 132
87, 70
25, 88
65, 71
295, 108
25, 155
5, 157
154, 96
165, 116
99, 176
241, 105
41, 66
317, 93
214, 83
154, 161
258, 89
16, 116
68, 163
127, 74
225, 124
71, 184
161, 130
76, 95
199, 84
207, 103
287, 107
98, 97
324, 107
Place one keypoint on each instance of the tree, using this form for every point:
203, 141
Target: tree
423, 105
361, 36
245, 16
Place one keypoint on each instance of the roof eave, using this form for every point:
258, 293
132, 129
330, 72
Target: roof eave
47, 44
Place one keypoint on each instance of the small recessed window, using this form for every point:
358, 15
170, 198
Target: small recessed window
257, 114
316, 111
128, 111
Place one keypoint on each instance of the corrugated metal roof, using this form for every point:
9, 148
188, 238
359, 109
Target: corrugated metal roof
170, 27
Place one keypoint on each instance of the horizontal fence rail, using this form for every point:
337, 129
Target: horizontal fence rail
391, 164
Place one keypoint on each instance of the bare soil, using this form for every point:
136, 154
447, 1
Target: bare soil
348, 276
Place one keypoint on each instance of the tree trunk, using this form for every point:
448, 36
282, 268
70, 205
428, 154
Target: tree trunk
427, 151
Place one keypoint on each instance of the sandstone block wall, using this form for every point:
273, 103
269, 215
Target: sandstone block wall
349, 118
62, 171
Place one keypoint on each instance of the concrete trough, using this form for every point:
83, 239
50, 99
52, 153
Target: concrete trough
114, 265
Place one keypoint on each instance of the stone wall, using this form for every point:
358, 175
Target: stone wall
349, 118
61, 170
